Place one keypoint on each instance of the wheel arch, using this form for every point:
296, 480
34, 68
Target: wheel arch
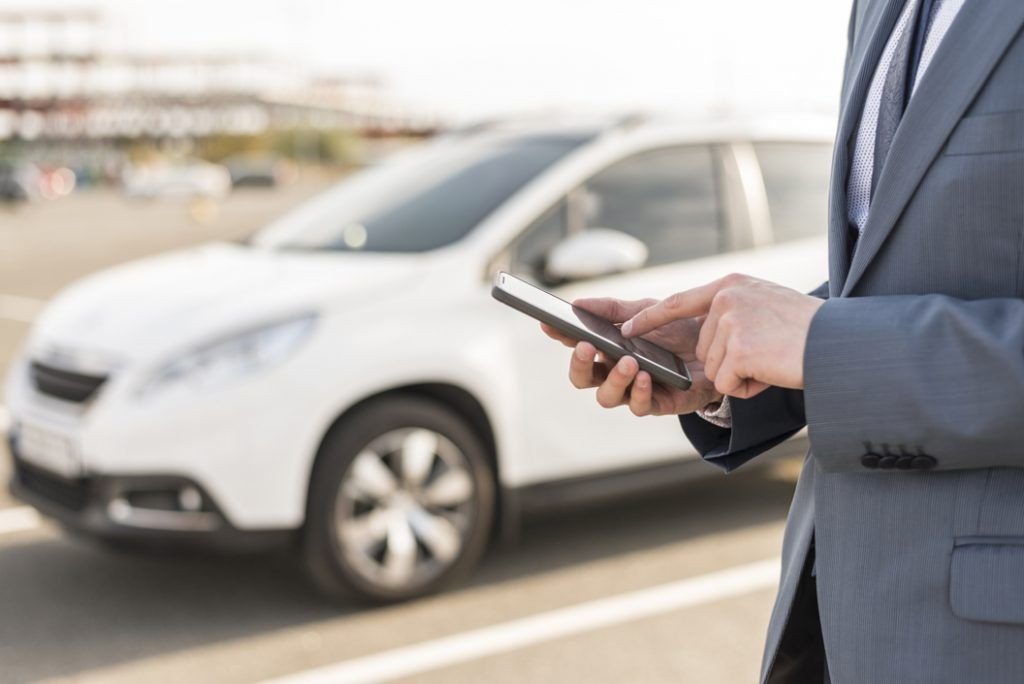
466, 405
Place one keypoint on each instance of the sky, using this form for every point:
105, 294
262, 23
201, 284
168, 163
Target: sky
472, 58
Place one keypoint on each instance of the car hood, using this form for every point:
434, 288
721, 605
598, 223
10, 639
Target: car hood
148, 308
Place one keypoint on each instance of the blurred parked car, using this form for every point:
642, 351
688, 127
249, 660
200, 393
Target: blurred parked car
189, 179
259, 171
346, 378
18, 182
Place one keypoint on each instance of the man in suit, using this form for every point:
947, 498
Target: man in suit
903, 559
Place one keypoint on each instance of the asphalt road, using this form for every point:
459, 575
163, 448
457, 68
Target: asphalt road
673, 588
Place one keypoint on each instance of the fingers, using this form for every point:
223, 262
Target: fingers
614, 390
687, 304
711, 307
726, 379
751, 388
724, 365
708, 331
665, 401
641, 395
731, 381
733, 384
581, 366
558, 335
613, 385
614, 310
714, 352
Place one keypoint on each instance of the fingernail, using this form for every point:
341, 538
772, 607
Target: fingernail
581, 354
624, 365
627, 327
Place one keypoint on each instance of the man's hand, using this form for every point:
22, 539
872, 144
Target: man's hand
754, 332
625, 383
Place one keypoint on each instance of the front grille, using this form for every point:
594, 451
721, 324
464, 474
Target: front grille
70, 494
64, 384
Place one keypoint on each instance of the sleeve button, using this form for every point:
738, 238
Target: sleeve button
870, 460
924, 462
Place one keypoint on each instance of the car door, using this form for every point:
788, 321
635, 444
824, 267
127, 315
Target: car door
670, 198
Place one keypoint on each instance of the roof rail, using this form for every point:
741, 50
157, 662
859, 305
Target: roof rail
628, 121
603, 125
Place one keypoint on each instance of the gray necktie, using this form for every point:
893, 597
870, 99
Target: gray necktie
896, 89
894, 93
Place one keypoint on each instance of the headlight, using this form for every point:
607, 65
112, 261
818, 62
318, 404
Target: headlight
234, 357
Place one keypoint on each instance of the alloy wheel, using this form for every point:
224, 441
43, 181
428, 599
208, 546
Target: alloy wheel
404, 508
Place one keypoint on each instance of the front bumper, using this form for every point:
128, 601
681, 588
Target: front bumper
140, 509
250, 452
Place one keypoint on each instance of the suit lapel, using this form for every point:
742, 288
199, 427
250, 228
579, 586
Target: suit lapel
972, 48
872, 35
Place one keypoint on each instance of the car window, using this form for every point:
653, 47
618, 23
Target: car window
531, 249
666, 198
796, 177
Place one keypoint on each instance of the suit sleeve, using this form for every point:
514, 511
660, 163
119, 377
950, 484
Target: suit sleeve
915, 382
758, 423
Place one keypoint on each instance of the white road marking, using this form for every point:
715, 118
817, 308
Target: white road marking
20, 519
20, 309
5, 419
516, 634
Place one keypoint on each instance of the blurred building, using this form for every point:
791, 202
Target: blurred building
59, 83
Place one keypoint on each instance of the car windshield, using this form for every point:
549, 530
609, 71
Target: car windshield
421, 199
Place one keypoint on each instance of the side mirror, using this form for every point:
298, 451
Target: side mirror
595, 252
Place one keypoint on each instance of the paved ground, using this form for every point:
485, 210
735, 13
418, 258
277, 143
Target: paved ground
71, 612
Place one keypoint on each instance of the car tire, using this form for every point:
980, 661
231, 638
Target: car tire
383, 514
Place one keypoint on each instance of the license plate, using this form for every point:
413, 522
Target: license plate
49, 450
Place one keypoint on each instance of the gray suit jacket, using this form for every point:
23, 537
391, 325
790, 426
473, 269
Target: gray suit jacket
914, 487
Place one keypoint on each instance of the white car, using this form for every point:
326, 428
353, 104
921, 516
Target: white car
346, 379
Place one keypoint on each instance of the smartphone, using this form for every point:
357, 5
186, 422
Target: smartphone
663, 366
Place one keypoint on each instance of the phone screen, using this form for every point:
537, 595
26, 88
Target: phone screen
577, 318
